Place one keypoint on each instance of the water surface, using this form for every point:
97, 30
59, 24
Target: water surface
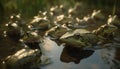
61, 57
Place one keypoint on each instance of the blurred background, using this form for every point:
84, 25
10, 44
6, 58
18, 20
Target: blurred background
30, 8
25, 12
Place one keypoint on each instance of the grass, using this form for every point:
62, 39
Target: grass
31, 7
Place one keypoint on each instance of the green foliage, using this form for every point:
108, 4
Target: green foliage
1, 12
31, 7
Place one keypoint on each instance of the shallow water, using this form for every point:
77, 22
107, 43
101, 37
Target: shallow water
61, 57
79, 59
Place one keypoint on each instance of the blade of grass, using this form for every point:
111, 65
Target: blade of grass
114, 7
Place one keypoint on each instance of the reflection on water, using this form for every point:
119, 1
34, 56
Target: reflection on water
85, 59
112, 57
60, 57
72, 54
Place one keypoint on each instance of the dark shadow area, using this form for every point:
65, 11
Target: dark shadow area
1, 13
73, 54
